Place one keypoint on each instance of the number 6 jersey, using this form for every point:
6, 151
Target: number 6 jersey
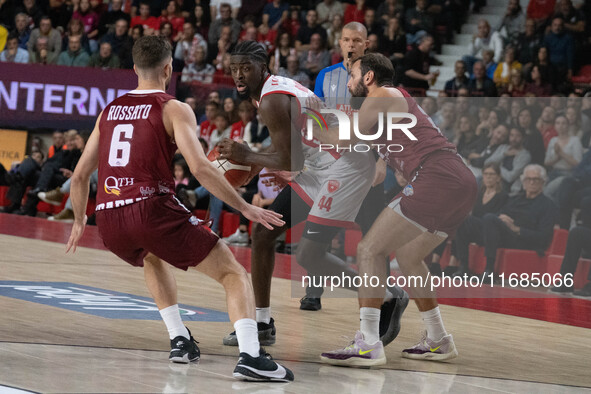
135, 151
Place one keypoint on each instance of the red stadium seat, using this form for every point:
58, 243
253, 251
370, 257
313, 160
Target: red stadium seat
3, 200
229, 224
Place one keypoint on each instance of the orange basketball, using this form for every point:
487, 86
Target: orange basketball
235, 173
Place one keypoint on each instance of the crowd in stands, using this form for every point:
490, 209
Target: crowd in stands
526, 137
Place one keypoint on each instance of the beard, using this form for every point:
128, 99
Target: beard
358, 93
244, 95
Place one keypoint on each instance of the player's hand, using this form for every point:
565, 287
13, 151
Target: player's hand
263, 216
234, 150
380, 174
76, 234
279, 179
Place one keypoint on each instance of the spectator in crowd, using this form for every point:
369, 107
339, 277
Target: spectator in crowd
574, 122
147, 21
445, 120
547, 70
226, 20
540, 11
223, 127
527, 44
118, 38
561, 49
107, 22
491, 199
372, 26
57, 144
275, 13
187, 44
512, 158
76, 28
21, 29
563, 155
573, 189
74, 55
224, 46
419, 22
306, 31
355, 12
53, 36
513, 22
246, 113
199, 20
533, 139
483, 40
7, 14
125, 57
165, 30
488, 62
174, 16
208, 126
390, 9
293, 71
334, 33
105, 58
181, 173
230, 109
545, 124
502, 75
417, 63
41, 55
393, 41
216, 8
538, 86
284, 47
26, 174
526, 221
55, 197
196, 69
90, 21
459, 81
466, 139
315, 58
326, 11
574, 20
577, 246
481, 85
496, 116
12, 53
34, 12
292, 24
516, 86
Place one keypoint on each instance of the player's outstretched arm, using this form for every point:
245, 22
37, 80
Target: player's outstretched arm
180, 123
287, 155
80, 185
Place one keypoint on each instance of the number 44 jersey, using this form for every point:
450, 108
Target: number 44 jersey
135, 152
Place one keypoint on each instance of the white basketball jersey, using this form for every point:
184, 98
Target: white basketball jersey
313, 156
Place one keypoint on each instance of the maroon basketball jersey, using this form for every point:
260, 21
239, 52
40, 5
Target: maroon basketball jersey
429, 139
135, 152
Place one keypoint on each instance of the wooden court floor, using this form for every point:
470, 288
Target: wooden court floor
45, 348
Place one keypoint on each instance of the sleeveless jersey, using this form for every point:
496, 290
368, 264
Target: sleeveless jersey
429, 140
135, 152
314, 158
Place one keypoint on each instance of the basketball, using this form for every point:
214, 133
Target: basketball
236, 174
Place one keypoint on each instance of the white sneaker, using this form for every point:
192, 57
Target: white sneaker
238, 238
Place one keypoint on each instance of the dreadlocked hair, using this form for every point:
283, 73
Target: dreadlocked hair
254, 50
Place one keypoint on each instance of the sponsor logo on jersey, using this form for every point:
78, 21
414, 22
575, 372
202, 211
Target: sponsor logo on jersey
113, 185
147, 191
333, 186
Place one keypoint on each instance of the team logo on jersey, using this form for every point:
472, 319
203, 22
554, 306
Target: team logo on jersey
408, 190
147, 191
113, 185
315, 115
333, 186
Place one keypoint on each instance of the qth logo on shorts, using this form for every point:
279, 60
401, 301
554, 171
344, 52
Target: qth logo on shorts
333, 186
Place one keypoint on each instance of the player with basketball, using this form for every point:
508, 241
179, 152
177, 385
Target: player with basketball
440, 193
142, 222
327, 195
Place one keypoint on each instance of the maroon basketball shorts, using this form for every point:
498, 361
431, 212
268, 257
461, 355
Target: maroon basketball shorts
159, 225
440, 195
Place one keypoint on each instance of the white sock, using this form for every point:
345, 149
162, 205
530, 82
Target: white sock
247, 334
434, 324
370, 324
173, 321
388, 296
264, 315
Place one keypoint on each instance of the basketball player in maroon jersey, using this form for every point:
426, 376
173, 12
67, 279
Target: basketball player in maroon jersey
440, 193
142, 222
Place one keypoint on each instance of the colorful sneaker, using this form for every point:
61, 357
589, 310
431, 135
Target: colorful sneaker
53, 197
183, 350
357, 354
390, 316
428, 349
238, 238
266, 335
261, 369
66, 216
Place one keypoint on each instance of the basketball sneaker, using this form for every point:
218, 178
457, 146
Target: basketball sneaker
428, 349
357, 354
310, 304
261, 369
53, 197
390, 316
183, 350
238, 238
266, 335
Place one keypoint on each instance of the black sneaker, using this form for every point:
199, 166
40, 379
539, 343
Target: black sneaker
390, 315
184, 350
310, 304
267, 334
562, 289
584, 292
261, 369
